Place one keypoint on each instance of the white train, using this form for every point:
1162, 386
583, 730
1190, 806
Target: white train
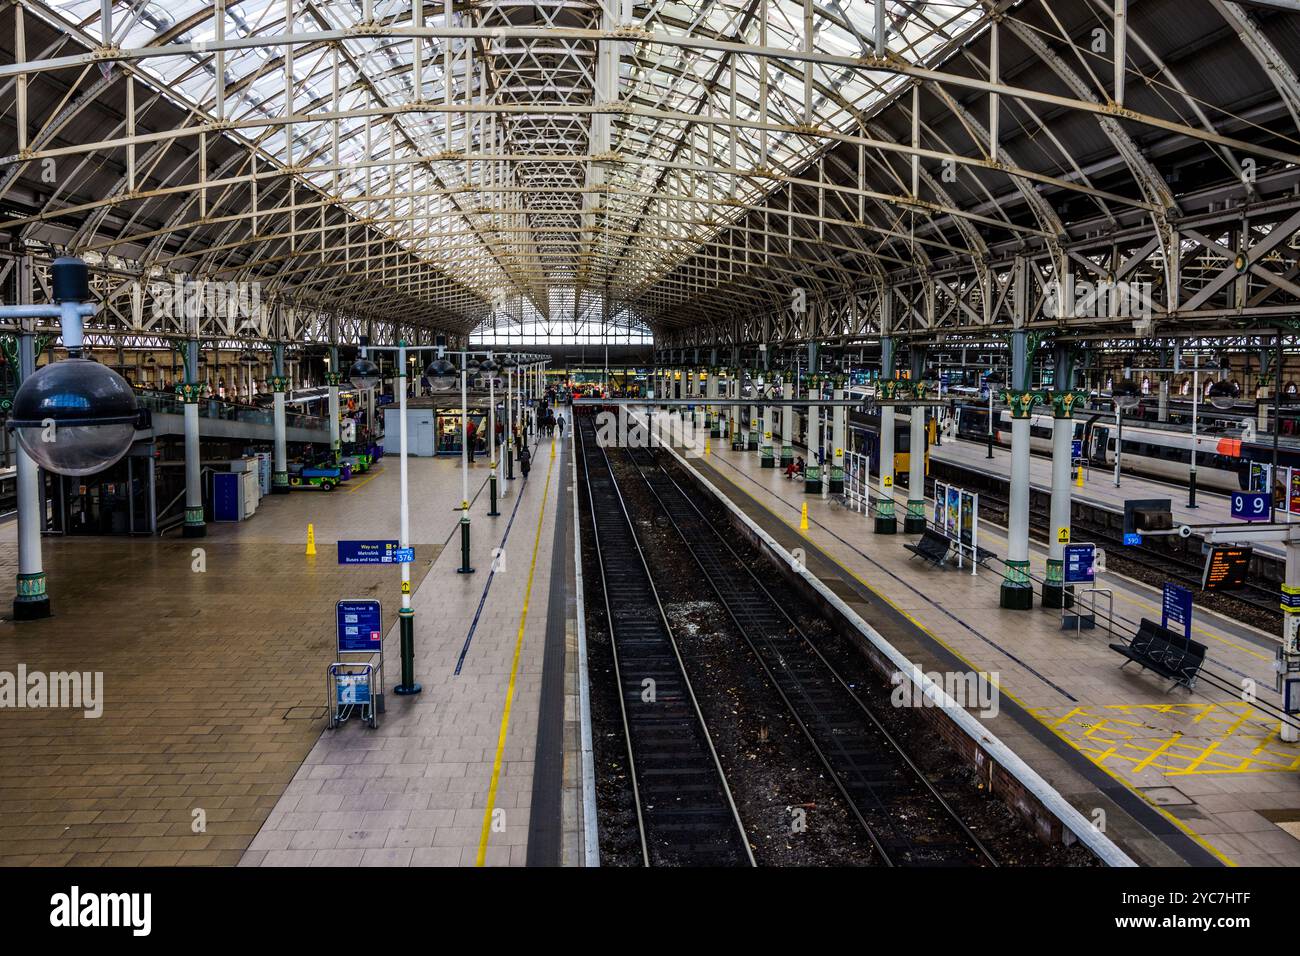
1222, 458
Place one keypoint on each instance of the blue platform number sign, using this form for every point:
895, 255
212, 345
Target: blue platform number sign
368, 552
1132, 538
1079, 562
1252, 505
360, 626
1176, 609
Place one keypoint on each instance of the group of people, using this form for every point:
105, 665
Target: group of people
548, 421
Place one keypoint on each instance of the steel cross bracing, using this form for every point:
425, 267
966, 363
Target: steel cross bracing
717, 172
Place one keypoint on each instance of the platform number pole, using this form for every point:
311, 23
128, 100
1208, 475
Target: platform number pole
464, 470
492, 444
406, 615
31, 599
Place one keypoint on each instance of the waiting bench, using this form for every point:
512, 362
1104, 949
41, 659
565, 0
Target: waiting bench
1161, 650
933, 547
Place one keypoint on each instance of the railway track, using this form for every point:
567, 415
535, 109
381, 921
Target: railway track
684, 808
906, 819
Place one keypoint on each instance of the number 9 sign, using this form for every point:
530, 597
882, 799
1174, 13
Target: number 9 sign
1252, 505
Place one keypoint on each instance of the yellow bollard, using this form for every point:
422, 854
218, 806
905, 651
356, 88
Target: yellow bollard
1079, 476
311, 540
803, 518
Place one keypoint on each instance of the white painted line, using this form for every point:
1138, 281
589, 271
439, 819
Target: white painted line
590, 836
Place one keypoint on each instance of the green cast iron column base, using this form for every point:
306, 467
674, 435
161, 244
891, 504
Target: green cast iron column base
31, 602
1017, 591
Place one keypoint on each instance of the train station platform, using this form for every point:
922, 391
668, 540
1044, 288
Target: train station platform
1174, 777
210, 743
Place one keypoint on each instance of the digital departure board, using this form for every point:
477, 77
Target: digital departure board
1226, 567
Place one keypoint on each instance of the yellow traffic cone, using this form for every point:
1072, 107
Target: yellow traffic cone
311, 540
803, 518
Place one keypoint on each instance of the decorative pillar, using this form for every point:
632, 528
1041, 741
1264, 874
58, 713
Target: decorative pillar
838, 418
333, 379
886, 392
1063, 401
711, 416
31, 599
738, 438
755, 434
280, 467
914, 522
768, 452
191, 393
1017, 590
788, 390
812, 475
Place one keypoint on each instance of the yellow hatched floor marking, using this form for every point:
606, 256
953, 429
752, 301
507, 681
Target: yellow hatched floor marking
514, 672
1231, 737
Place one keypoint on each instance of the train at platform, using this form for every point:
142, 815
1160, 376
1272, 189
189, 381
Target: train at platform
1225, 449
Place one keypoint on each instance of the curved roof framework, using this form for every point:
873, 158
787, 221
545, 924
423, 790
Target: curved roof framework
728, 171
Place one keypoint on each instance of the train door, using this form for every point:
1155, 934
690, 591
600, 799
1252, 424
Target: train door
1100, 438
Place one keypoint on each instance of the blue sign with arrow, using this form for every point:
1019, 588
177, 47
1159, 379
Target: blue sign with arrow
368, 552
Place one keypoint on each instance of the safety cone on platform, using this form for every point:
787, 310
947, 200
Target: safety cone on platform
311, 540
803, 517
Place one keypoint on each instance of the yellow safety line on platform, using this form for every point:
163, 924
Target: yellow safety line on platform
370, 476
514, 671
1191, 833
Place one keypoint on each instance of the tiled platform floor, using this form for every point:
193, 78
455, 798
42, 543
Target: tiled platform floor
416, 791
213, 680
1209, 769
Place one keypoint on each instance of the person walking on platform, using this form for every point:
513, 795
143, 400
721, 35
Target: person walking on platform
525, 461
469, 440
559, 420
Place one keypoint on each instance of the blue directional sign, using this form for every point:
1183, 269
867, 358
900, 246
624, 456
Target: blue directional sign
367, 552
1076, 448
360, 626
1079, 561
1251, 505
1176, 609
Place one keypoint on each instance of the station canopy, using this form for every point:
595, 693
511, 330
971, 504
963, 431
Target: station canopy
516, 170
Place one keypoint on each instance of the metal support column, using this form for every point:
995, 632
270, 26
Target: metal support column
886, 522
1063, 400
838, 416
914, 522
31, 599
1017, 590
280, 469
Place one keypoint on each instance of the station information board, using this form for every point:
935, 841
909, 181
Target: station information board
1226, 567
360, 626
1079, 562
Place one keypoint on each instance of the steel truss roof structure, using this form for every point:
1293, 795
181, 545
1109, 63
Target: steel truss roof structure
720, 172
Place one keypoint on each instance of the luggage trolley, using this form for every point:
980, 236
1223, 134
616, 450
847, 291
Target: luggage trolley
355, 688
